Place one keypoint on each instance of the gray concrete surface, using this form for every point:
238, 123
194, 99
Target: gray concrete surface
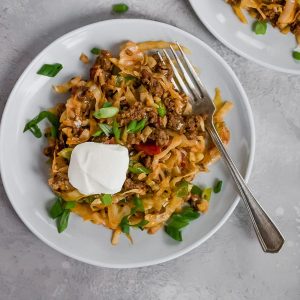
231, 264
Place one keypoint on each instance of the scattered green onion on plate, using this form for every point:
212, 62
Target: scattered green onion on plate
50, 70
260, 27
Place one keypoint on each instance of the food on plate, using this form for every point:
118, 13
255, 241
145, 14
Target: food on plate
125, 146
282, 14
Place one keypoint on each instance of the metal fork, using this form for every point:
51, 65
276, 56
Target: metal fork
268, 234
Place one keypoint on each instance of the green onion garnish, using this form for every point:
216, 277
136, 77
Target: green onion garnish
179, 221
107, 104
161, 110
120, 8
138, 204
62, 221
296, 55
131, 126
218, 186
106, 112
260, 27
138, 169
116, 131
50, 70
206, 194
97, 133
129, 78
66, 153
69, 204
136, 126
57, 208
125, 227
32, 124
106, 199
196, 190
107, 129
140, 125
182, 189
60, 211
175, 234
96, 51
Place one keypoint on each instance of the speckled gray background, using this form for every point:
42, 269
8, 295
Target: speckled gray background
231, 264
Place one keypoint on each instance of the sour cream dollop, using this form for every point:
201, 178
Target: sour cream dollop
98, 168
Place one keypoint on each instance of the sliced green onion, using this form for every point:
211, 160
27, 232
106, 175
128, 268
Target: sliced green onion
107, 104
140, 125
189, 213
206, 194
131, 126
138, 169
218, 186
161, 110
260, 27
50, 70
66, 153
106, 112
69, 204
179, 221
32, 124
34, 129
116, 131
53, 131
95, 51
129, 78
56, 209
62, 221
125, 227
182, 189
120, 8
296, 55
106, 199
138, 204
196, 190
174, 233
97, 133
107, 129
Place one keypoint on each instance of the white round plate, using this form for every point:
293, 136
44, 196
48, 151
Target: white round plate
272, 50
24, 168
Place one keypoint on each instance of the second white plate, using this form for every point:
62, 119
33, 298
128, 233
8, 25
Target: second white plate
272, 50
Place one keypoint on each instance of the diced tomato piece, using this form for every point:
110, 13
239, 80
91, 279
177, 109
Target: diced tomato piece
149, 149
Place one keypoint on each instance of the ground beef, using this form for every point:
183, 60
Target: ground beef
133, 139
193, 125
135, 112
48, 151
175, 122
147, 161
164, 68
151, 83
160, 137
170, 104
130, 184
152, 116
60, 182
103, 63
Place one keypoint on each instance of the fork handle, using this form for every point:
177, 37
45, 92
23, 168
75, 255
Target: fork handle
268, 234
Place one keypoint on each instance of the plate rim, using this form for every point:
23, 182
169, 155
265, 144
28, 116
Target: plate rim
177, 253
238, 51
